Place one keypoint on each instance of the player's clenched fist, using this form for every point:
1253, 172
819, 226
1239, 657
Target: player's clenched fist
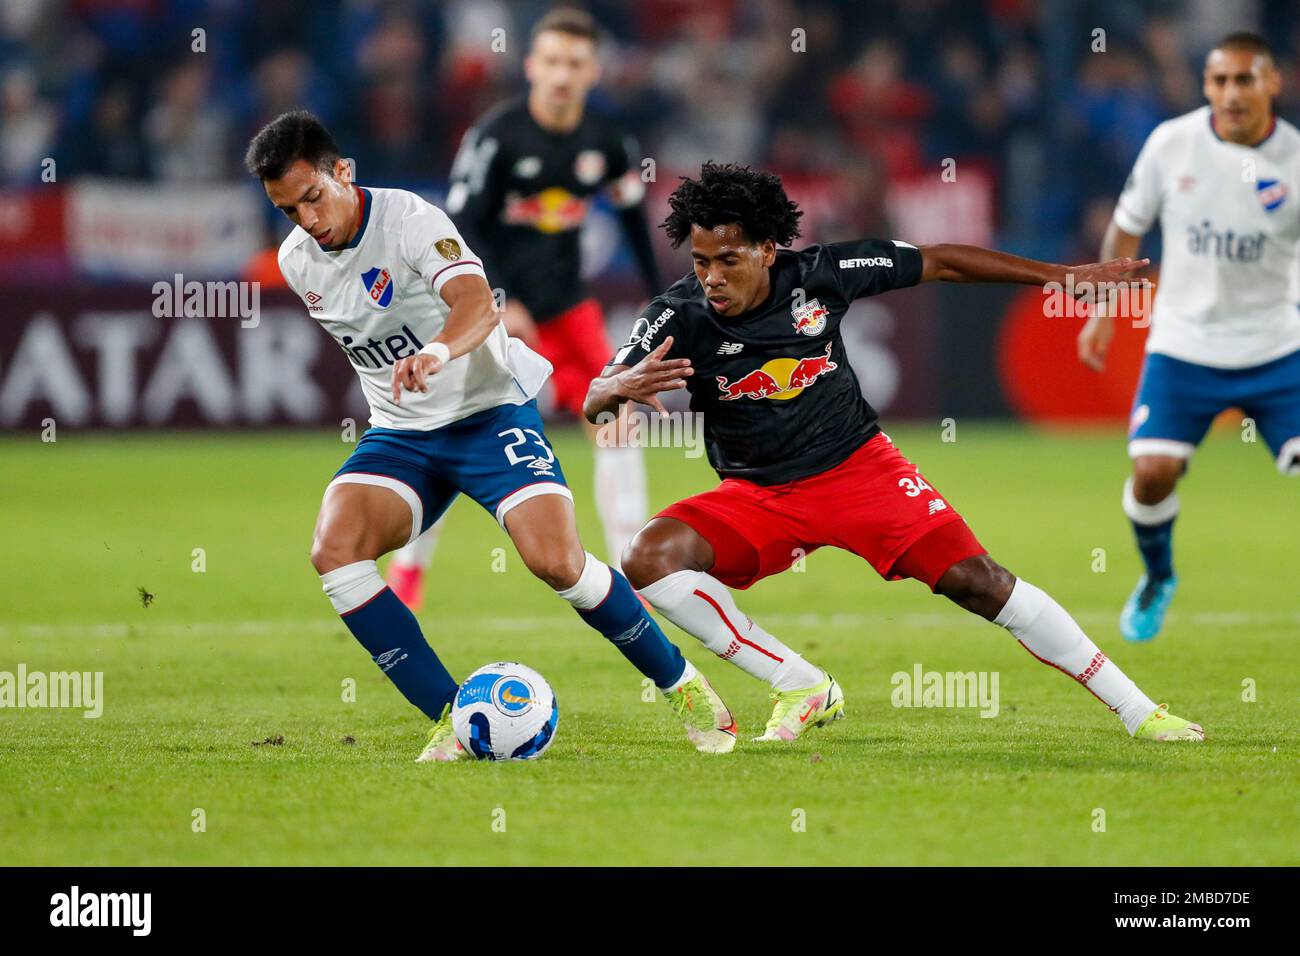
412, 373
644, 381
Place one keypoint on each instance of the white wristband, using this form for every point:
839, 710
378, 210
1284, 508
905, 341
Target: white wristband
438, 349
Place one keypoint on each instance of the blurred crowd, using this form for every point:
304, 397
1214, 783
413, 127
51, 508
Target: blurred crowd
861, 90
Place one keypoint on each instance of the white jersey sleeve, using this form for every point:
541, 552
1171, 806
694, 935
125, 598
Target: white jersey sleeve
285, 261
1140, 203
433, 247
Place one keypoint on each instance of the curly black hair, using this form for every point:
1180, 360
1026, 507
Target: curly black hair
731, 193
285, 140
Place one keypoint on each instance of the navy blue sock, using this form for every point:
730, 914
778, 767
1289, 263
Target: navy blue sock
389, 631
623, 619
1156, 542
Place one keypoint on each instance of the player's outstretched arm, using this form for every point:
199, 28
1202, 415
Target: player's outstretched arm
472, 318
639, 383
1096, 334
950, 262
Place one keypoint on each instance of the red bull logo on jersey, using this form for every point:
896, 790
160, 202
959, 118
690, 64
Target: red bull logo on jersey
780, 379
552, 210
810, 318
1271, 193
379, 286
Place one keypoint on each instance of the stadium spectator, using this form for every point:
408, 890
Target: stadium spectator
187, 132
27, 127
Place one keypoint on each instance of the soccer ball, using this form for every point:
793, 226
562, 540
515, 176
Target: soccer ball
505, 711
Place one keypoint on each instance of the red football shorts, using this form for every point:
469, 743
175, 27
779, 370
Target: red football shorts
875, 504
577, 346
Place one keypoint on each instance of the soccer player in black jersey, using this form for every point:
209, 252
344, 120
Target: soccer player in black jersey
522, 184
753, 334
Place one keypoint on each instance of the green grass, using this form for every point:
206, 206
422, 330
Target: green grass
250, 649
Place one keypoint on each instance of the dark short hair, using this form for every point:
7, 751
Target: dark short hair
1246, 41
732, 193
571, 20
285, 140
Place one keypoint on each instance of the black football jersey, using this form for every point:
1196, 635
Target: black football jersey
774, 385
519, 194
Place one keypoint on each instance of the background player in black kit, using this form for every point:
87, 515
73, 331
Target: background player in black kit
754, 334
522, 183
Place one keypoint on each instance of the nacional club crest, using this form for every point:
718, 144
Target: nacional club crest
448, 248
1271, 193
810, 318
379, 286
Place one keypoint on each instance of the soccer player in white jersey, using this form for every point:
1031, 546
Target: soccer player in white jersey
452, 410
1225, 331
523, 183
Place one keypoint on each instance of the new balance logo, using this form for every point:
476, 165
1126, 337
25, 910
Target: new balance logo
937, 505
730, 348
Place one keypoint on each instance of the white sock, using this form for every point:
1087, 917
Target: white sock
1158, 513
352, 585
702, 606
419, 553
621, 498
592, 586
687, 675
1049, 633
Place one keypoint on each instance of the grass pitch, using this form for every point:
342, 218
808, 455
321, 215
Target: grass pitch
248, 650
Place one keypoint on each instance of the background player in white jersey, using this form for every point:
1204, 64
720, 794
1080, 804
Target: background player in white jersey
388, 277
522, 187
1225, 331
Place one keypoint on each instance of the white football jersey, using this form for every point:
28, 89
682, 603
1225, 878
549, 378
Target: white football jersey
379, 299
1230, 275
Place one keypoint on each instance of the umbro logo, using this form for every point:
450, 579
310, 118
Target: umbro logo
632, 633
386, 662
730, 348
313, 301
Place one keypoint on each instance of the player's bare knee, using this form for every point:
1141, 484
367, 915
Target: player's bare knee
978, 584
641, 563
654, 553
560, 570
331, 551
1155, 476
